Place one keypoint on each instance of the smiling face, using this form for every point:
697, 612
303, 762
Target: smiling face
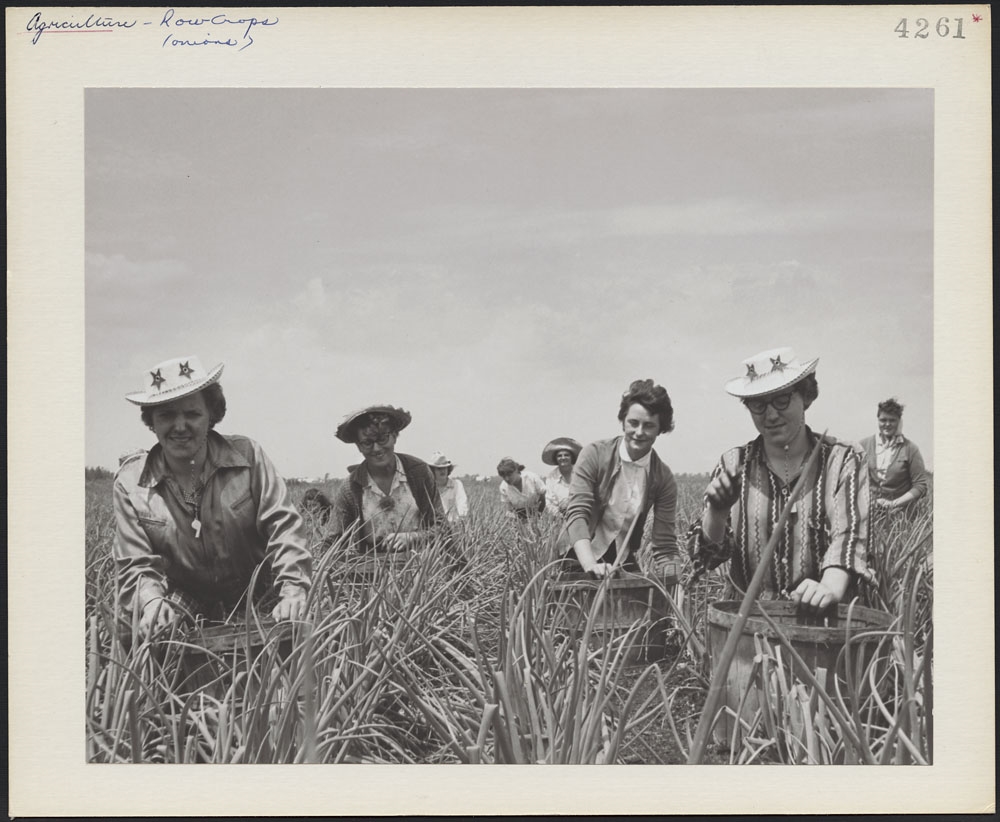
378, 445
888, 424
564, 459
641, 428
182, 426
778, 417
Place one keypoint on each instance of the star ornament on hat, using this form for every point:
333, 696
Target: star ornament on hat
770, 371
172, 379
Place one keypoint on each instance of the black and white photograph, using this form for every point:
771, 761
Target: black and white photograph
544, 423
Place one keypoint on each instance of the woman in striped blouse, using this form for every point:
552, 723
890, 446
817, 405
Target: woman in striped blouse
822, 551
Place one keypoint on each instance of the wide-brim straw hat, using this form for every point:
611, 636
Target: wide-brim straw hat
348, 429
770, 371
439, 460
550, 451
172, 379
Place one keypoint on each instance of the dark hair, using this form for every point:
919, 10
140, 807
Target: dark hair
808, 389
215, 402
891, 406
653, 398
507, 465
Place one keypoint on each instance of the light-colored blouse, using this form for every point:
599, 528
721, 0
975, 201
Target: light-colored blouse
529, 497
392, 513
627, 494
453, 499
557, 490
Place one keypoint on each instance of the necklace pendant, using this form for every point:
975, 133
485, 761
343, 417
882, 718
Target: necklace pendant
196, 524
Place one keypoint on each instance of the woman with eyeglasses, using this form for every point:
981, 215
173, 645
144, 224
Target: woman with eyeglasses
522, 492
390, 502
822, 551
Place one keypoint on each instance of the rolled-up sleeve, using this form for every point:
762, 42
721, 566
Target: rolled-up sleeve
461, 500
706, 555
280, 524
847, 515
141, 571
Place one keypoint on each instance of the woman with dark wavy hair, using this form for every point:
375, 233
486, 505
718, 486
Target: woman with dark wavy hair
895, 465
615, 484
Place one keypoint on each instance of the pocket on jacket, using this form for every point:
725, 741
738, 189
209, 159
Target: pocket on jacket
151, 522
241, 502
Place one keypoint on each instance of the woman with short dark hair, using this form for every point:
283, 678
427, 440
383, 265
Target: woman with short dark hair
615, 484
895, 465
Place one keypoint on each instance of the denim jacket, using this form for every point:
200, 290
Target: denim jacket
245, 511
594, 475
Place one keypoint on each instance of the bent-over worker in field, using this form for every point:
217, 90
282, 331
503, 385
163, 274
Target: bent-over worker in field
822, 551
390, 502
615, 484
198, 514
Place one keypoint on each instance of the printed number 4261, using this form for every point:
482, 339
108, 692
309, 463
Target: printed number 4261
922, 28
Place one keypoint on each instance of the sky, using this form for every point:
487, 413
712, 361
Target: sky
504, 262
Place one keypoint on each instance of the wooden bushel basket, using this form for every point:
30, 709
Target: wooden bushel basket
634, 611
818, 640
213, 652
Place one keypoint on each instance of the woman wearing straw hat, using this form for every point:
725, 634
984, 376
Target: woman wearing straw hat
453, 499
200, 512
615, 484
895, 465
390, 502
562, 453
822, 550
521, 492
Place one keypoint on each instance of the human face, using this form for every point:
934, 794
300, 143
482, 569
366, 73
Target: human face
441, 475
779, 426
888, 424
181, 427
378, 447
564, 459
641, 428
511, 477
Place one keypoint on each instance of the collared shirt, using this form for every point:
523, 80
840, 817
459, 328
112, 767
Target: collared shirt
245, 512
627, 494
529, 498
557, 490
392, 513
453, 500
828, 526
885, 453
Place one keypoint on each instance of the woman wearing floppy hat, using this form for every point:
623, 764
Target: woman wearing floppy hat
616, 483
895, 465
201, 511
521, 492
822, 551
453, 499
562, 453
390, 502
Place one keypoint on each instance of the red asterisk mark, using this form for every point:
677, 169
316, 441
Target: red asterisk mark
976, 18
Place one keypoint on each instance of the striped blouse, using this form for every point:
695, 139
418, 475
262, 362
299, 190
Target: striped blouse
828, 526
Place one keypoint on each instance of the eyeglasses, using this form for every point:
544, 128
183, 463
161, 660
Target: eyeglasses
367, 445
779, 401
